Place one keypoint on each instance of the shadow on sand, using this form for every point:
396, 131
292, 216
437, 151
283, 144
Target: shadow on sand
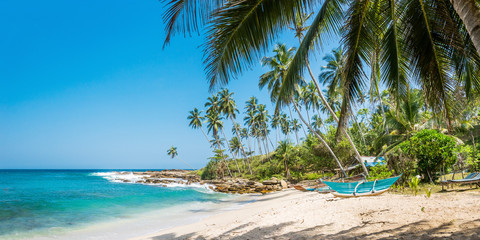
416, 230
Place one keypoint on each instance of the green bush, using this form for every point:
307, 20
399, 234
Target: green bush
380, 172
313, 176
210, 171
431, 150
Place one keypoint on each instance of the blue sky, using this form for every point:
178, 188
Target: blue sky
86, 84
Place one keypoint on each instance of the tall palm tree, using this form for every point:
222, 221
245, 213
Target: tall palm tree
285, 151
172, 152
214, 124
332, 76
275, 124
196, 121
236, 147
317, 122
214, 105
285, 125
278, 64
295, 127
229, 108
261, 119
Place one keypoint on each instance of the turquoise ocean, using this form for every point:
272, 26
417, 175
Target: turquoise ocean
49, 203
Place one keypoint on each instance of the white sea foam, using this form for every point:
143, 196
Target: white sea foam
121, 176
130, 177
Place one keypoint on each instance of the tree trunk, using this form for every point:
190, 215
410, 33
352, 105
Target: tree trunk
324, 101
291, 116
186, 163
360, 130
469, 12
321, 139
241, 144
223, 156
231, 151
296, 135
205, 136
271, 143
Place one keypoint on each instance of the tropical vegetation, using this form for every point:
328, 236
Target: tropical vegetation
403, 83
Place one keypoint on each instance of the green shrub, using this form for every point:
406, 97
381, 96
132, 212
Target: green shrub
380, 172
313, 176
413, 184
210, 171
428, 191
431, 150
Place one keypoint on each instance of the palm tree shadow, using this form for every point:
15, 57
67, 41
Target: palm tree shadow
415, 230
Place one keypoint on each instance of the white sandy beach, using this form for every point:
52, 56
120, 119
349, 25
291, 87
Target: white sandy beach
292, 214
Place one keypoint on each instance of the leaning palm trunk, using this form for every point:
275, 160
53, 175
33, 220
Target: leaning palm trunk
241, 144
205, 136
320, 138
186, 163
360, 130
324, 101
231, 151
469, 12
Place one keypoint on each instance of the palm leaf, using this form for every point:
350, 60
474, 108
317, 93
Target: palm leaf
427, 35
358, 45
187, 16
240, 31
327, 20
393, 62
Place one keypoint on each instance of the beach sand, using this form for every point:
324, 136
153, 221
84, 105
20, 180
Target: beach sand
291, 214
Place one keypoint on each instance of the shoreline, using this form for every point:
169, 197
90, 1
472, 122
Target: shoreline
291, 214
144, 223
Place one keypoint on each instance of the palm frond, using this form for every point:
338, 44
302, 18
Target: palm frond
187, 16
327, 20
358, 45
393, 61
427, 29
240, 31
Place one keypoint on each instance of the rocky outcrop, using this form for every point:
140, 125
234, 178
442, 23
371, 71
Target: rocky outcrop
229, 185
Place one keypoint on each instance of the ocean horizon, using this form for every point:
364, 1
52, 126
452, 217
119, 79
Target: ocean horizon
53, 203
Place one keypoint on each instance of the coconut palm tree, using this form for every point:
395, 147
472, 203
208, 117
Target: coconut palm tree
261, 119
196, 121
251, 104
295, 127
229, 109
317, 122
172, 152
403, 120
214, 104
275, 124
214, 124
285, 150
278, 64
236, 145
285, 125
331, 75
